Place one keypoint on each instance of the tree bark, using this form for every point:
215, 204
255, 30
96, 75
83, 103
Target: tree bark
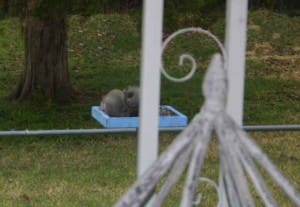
46, 59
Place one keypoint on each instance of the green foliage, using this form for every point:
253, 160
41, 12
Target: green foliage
11, 54
275, 5
44, 8
2, 10
191, 13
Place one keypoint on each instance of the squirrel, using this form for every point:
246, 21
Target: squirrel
117, 103
132, 99
113, 103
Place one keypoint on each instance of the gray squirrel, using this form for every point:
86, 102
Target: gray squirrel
117, 103
132, 100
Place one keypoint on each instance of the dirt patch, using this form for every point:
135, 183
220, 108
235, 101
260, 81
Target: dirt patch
285, 67
283, 63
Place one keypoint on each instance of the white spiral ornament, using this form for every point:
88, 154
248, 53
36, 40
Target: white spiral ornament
187, 56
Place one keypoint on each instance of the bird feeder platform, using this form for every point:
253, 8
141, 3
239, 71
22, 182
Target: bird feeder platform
169, 117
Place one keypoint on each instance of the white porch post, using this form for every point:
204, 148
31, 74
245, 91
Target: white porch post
235, 43
150, 84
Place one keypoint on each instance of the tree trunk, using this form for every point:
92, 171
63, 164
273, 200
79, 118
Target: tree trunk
46, 61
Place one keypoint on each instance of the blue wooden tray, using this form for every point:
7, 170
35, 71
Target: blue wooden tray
177, 120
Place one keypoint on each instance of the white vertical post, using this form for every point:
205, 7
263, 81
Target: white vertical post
150, 84
235, 43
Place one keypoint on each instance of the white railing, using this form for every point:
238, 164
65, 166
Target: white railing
150, 83
236, 23
239, 157
237, 151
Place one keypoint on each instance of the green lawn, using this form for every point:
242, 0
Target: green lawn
104, 53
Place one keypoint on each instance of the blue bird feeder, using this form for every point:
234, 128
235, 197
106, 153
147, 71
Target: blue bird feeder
174, 118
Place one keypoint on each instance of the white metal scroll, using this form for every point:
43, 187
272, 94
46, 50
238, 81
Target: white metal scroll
238, 155
150, 77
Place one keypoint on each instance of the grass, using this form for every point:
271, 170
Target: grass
104, 53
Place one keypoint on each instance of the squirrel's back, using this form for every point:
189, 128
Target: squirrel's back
113, 103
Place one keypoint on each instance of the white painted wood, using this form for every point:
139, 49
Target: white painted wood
150, 84
235, 44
